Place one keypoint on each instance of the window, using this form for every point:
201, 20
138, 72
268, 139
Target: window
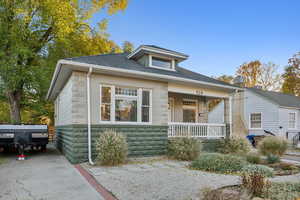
163, 63
255, 120
189, 111
145, 106
292, 120
105, 103
122, 104
126, 104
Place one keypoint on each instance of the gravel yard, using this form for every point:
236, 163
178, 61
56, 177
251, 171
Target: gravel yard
161, 180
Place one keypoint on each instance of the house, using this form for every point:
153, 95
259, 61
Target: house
144, 94
261, 111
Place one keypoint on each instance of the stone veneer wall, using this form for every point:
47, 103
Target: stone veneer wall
143, 140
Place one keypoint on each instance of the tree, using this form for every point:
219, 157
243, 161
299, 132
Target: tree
291, 76
256, 73
127, 47
250, 72
29, 29
226, 78
269, 78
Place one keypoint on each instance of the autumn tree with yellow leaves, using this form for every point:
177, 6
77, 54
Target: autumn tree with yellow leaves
34, 34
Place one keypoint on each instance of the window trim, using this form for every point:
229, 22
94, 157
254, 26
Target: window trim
261, 121
157, 67
295, 127
113, 109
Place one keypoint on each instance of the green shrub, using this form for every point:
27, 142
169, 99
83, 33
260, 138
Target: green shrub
216, 162
280, 191
253, 158
273, 145
111, 148
184, 148
271, 159
258, 169
235, 145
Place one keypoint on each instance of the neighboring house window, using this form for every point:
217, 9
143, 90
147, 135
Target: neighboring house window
292, 120
255, 120
122, 104
189, 110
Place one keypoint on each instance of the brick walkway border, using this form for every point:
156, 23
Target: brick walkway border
94, 183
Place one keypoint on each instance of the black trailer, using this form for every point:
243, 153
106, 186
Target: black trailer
23, 136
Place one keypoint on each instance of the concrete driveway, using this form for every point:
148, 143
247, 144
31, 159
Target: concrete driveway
44, 176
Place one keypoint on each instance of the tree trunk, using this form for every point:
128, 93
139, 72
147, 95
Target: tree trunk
14, 98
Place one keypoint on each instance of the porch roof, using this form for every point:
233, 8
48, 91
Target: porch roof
119, 64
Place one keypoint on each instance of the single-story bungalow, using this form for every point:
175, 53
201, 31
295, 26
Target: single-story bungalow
144, 94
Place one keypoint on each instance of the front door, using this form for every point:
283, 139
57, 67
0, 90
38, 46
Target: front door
189, 110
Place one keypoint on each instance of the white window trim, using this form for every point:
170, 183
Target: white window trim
295, 127
157, 67
261, 121
139, 106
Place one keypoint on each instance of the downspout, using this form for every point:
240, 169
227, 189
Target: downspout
89, 115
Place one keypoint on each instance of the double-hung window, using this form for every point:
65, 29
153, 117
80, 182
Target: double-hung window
124, 104
292, 120
255, 121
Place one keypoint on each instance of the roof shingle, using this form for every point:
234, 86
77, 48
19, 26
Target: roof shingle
121, 61
284, 100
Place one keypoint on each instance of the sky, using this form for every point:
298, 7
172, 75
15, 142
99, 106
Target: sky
218, 35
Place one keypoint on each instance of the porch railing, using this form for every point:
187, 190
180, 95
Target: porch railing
198, 130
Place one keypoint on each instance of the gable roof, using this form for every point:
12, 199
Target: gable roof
121, 61
283, 100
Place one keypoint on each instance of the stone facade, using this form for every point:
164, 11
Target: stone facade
143, 140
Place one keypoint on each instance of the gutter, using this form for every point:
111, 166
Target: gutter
88, 76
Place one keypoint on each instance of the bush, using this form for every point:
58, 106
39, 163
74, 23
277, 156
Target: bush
271, 159
253, 158
184, 148
216, 162
235, 145
111, 148
253, 178
273, 145
258, 169
286, 191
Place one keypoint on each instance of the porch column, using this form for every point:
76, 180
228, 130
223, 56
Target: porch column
228, 115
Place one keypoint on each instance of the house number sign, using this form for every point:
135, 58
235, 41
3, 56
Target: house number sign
199, 92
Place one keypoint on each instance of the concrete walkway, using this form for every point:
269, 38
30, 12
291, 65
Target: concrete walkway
44, 176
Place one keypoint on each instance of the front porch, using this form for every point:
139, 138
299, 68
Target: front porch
198, 115
197, 130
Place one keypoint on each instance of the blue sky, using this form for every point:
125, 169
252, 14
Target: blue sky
217, 35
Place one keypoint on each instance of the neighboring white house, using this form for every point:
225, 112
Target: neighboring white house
256, 111
271, 111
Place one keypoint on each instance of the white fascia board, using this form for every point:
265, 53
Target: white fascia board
154, 50
294, 108
54, 77
134, 72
